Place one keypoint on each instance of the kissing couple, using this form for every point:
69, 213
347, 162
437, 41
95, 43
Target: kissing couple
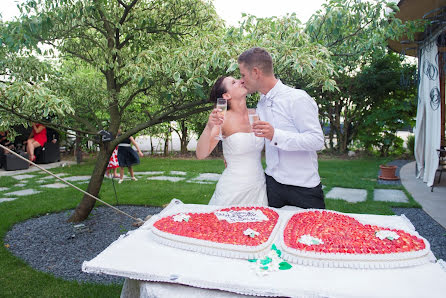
288, 129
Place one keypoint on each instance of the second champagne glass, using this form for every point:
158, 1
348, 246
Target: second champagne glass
253, 116
222, 104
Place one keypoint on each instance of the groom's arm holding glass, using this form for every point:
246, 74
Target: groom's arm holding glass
306, 134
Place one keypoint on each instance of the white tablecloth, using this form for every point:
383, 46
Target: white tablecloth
155, 270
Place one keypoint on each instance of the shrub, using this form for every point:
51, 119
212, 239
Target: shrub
410, 143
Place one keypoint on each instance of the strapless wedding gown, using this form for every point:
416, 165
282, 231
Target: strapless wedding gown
243, 180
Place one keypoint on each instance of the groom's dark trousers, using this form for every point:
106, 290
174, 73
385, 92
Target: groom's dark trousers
280, 195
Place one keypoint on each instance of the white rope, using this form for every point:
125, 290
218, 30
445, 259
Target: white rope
74, 186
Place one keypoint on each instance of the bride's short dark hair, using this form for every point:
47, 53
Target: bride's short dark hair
218, 90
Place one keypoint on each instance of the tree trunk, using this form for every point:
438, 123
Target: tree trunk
338, 127
86, 205
151, 145
166, 146
184, 139
342, 141
78, 150
345, 135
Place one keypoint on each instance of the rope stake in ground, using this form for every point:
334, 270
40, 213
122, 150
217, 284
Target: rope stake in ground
139, 220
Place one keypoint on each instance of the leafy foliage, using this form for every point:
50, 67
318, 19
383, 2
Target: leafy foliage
356, 34
138, 63
393, 107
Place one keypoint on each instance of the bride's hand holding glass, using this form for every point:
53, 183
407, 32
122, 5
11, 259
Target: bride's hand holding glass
215, 118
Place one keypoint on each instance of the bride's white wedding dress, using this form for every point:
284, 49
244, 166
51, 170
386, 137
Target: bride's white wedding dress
243, 180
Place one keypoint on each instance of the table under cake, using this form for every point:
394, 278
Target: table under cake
152, 269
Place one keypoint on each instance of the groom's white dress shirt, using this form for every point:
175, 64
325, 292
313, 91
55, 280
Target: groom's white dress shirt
291, 156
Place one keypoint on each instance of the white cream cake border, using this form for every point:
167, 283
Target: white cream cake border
360, 261
215, 248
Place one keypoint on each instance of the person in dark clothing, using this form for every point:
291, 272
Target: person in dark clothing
52, 135
7, 143
127, 157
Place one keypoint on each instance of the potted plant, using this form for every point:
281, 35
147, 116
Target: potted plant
388, 172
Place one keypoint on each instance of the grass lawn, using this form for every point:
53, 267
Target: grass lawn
19, 280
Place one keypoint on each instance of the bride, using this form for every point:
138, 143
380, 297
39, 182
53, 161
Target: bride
243, 180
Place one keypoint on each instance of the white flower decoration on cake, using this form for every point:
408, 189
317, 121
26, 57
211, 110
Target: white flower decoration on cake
270, 263
383, 234
310, 240
181, 217
251, 233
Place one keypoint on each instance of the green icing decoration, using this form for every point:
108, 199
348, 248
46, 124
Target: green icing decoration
279, 253
266, 261
284, 266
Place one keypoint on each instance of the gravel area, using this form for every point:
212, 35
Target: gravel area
50, 244
428, 228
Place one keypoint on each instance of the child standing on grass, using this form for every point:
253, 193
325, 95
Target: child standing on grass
113, 164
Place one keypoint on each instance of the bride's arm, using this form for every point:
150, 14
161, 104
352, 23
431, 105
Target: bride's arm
207, 142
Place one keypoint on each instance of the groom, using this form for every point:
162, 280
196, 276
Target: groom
290, 125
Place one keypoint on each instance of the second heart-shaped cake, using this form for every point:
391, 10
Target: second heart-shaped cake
240, 232
327, 238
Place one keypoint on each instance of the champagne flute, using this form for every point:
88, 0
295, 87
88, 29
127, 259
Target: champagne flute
253, 116
222, 104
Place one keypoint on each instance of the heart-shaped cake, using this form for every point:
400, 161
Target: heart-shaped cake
328, 238
241, 232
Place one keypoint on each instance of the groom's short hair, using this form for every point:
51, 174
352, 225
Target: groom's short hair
257, 57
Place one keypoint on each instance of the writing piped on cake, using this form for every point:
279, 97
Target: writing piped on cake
233, 216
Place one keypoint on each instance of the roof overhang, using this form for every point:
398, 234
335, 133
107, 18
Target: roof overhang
413, 10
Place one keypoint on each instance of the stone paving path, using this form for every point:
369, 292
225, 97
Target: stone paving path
55, 185
7, 199
49, 182
390, 195
355, 195
351, 195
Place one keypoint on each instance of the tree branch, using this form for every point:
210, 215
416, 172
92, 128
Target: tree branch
49, 124
320, 26
163, 113
107, 27
162, 118
127, 9
350, 35
122, 4
131, 97
85, 122
76, 54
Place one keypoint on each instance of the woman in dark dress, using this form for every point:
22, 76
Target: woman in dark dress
127, 157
